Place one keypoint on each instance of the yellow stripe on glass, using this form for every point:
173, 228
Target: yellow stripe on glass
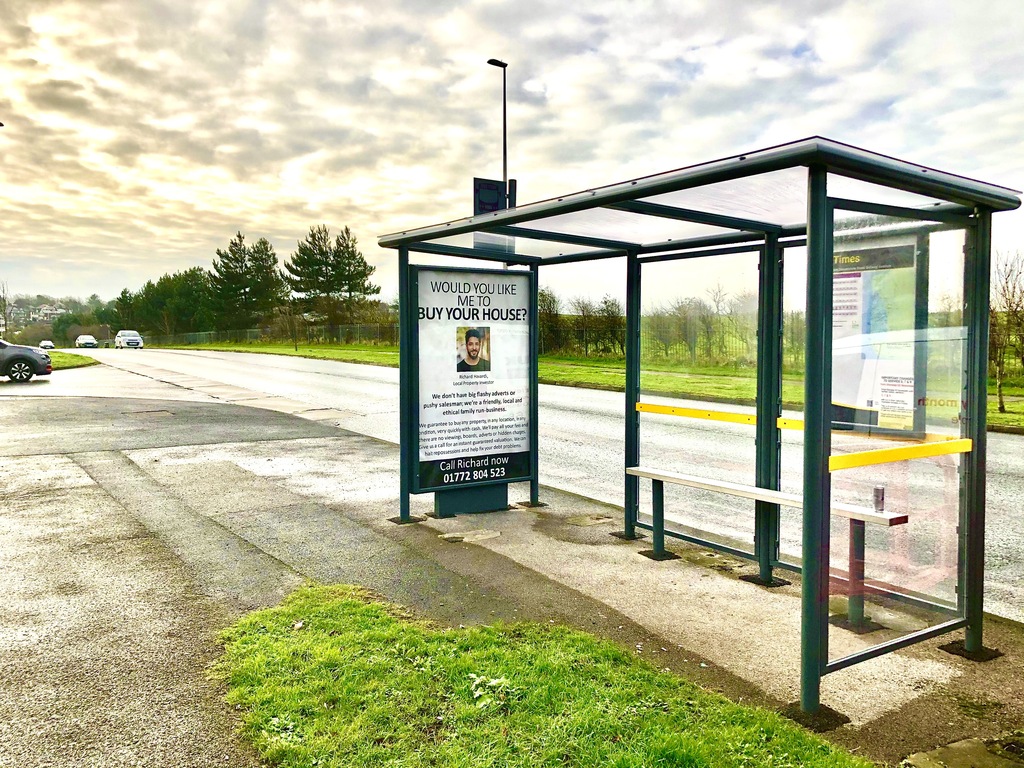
784, 423
698, 413
889, 455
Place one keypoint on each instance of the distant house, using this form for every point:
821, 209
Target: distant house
45, 313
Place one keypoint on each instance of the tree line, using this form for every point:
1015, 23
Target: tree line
1006, 321
715, 330
582, 325
325, 281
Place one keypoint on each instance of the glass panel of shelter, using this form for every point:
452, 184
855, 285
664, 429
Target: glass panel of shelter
898, 378
699, 323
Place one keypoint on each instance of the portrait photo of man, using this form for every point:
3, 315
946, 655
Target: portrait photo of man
474, 350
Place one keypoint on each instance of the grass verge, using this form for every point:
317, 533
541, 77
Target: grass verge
725, 385
368, 354
63, 361
334, 678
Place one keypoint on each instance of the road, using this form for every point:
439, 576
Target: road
581, 451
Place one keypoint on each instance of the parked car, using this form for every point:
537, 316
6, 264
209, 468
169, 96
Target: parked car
85, 340
20, 364
125, 339
46, 344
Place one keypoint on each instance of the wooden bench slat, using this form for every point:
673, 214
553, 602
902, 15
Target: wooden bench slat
852, 511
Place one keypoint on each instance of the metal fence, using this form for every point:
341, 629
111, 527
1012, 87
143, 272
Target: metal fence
385, 334
719, 344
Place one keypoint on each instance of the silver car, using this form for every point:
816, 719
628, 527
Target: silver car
128, 340
20, 364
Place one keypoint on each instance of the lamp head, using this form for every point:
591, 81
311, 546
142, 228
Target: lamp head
497, 63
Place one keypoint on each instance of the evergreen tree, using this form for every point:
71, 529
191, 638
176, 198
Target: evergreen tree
247, 284
267, 287
230, 279
192, 302
331, 278
124, 307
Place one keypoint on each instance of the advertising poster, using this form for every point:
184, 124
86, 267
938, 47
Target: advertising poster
873, 300
473, 335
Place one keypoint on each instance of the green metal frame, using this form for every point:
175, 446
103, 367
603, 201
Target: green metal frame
817, 490
632, 452
977, 272
768, 442
969, 205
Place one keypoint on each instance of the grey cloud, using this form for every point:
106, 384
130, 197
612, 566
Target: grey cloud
25, 63
60, 96
125, 148
251, 22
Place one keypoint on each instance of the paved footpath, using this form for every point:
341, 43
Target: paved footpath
142, 527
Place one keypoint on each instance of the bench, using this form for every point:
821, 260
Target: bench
857, 515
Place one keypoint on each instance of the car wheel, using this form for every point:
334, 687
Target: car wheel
20, 371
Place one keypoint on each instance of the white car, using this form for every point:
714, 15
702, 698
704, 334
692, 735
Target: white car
46, 344
128, 339
85, 340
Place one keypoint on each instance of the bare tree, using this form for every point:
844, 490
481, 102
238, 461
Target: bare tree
584, 318
663, 326
743, 318
1006, 316
690, 315
718, 299
6, 307
950, 311
612, 322
549, 317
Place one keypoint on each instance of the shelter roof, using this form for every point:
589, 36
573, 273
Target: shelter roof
731, 200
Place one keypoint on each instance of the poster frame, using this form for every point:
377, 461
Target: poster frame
531, 476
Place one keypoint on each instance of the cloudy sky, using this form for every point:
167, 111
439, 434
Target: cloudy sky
140, 135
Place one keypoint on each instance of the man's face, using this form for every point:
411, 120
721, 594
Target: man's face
472, 349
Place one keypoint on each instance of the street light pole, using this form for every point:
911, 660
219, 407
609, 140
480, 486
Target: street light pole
504, 123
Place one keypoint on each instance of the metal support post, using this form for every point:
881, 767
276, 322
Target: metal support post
817, 442
632, 418
534, 389
405, 376
977, 264
769, 403
921, 291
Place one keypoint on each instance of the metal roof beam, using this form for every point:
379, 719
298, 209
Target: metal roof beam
571, 258
953, 214
562, 237
484, 254
856, 163
749, 248
717, 240
698, 217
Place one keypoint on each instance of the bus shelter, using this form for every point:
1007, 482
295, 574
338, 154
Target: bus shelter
893, 391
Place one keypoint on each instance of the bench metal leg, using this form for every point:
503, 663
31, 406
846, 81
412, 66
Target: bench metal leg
855, 600
658, 503
658, 524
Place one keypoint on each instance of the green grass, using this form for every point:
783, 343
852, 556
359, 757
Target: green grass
63, 361
333, 678
717, 384
368, 354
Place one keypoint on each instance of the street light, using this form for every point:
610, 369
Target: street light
504, 124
